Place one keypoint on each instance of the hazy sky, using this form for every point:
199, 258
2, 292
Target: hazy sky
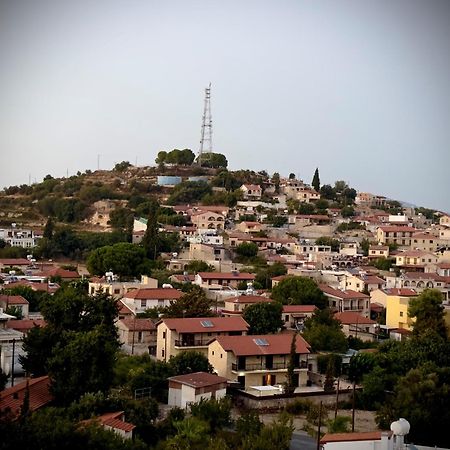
359, 88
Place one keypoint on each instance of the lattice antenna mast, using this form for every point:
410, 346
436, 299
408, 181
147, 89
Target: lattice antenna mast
206, 132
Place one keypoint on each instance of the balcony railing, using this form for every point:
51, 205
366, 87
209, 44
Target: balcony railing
259, 366
193, 343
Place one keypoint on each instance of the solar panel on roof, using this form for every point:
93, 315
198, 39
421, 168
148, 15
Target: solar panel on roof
206, 323
260, 341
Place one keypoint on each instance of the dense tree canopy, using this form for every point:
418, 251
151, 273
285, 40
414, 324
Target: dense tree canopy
299, 291
324, 333
78, 345
263, 318
124, 259
428, 311
193, 303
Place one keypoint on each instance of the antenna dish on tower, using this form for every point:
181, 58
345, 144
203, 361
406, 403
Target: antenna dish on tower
206, 131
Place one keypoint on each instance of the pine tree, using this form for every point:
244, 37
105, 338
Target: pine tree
49, 228
150, 240
290, 376
315, 183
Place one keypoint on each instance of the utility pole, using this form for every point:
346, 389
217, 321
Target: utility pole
318, 428
353, 408
12, 361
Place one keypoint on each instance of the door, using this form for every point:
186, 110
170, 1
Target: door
269, 361
241, 362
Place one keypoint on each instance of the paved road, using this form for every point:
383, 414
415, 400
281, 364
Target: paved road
302, 441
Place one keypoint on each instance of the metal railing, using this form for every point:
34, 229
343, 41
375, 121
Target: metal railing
192, 343
263, 366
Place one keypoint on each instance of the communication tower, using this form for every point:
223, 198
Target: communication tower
206, 132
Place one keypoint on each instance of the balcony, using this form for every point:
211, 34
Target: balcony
192, 343
263, 367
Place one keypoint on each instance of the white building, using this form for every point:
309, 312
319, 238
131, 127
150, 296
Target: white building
191, 388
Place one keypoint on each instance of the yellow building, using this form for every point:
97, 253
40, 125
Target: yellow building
397, 302
259, 360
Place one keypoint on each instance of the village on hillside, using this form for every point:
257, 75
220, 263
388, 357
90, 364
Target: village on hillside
185, 302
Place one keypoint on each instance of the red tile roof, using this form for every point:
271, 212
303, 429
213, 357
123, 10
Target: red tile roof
343, 437
13, 300
226, 276
60, 272
112, 420
198, 379
352, 318
292, 309
278, 344
138, 324
402, 292
14, 262
35, 286
25, 325
12, 398
123, 308
154, 294
399, 228
194, 325
243, 299
347, 294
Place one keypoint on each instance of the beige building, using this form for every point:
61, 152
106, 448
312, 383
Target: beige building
193, 387
208, 220
425, 242
140, 300
236, 305
340, 300
260, 360
395, 234
251, 191
415, 259
378, 251
445, 220
137, 336
112, 286
294, 316
361, 283
357, 326
207, 252
250, 227
177, 335
220, 280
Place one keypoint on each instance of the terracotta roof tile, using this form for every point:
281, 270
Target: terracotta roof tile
348, 293
226, 276
278, 344
138, 324
199, 379
194, 325
154, 294
25, 325
13, 300
351, 318
12, 398
292, 309
343, 437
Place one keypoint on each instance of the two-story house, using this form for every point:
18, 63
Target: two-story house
251, 191
396, 234
139, 300
177, 335
236, 305
378, 251
219, 280
415, 259
259, 360
347, 300
294, 316
208, 220
137, 336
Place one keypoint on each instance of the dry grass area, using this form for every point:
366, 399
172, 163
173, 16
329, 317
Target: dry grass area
364, 420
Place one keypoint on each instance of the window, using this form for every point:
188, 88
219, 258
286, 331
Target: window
221, 355
212, 352
143, 303
162, 353
164, 334
401, 313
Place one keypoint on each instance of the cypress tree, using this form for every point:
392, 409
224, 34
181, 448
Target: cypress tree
316, 180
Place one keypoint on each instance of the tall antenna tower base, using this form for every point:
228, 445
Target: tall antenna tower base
206, 131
